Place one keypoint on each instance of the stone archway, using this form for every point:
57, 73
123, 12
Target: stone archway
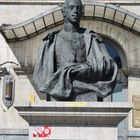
117, 53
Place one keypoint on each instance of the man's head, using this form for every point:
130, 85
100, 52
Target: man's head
73, 10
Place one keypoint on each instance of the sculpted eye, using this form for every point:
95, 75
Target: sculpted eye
71, 7
79, 7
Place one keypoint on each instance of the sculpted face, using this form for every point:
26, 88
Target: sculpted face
73, 10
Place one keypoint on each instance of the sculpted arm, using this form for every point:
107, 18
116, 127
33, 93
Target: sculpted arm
99, 63
82, 72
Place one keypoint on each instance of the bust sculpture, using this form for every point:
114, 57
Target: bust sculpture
73, 64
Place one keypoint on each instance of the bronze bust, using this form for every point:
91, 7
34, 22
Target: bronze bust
73, 64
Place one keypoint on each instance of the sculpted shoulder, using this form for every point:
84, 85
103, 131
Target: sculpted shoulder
95, 35
51, 36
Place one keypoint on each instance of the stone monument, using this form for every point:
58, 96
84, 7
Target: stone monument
73, 64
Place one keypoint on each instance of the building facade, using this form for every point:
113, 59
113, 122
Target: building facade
24, 23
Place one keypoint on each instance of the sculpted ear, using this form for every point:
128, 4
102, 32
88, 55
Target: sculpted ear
83, 10
63, 10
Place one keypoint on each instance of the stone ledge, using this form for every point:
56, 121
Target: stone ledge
133, 134
75, 113
14, 132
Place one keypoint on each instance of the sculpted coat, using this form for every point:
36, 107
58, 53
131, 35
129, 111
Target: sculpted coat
98, 80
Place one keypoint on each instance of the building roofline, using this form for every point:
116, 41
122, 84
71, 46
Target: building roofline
56, 2
54, 17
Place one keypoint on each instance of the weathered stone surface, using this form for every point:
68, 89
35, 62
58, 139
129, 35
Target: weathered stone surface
74, 113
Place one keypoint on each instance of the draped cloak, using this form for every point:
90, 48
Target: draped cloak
59, 84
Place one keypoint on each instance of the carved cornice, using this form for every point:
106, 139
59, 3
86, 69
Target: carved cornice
75, 113
54, 17
126, 2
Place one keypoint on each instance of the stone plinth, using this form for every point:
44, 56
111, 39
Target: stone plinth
77, 120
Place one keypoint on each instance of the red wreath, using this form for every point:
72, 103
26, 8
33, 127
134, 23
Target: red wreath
42, 132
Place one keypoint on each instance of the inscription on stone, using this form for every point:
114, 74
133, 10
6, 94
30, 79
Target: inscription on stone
136, 111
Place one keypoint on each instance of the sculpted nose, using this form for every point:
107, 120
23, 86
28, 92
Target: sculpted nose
75, 10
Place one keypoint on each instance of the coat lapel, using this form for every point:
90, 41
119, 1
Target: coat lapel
87, 39
50, 56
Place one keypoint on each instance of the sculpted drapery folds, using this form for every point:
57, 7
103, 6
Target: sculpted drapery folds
73, 64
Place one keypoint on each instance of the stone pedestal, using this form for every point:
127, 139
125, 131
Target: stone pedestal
76, 120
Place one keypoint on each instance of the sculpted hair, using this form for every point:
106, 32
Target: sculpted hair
66, 2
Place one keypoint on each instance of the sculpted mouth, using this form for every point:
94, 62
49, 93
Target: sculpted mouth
75, 16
